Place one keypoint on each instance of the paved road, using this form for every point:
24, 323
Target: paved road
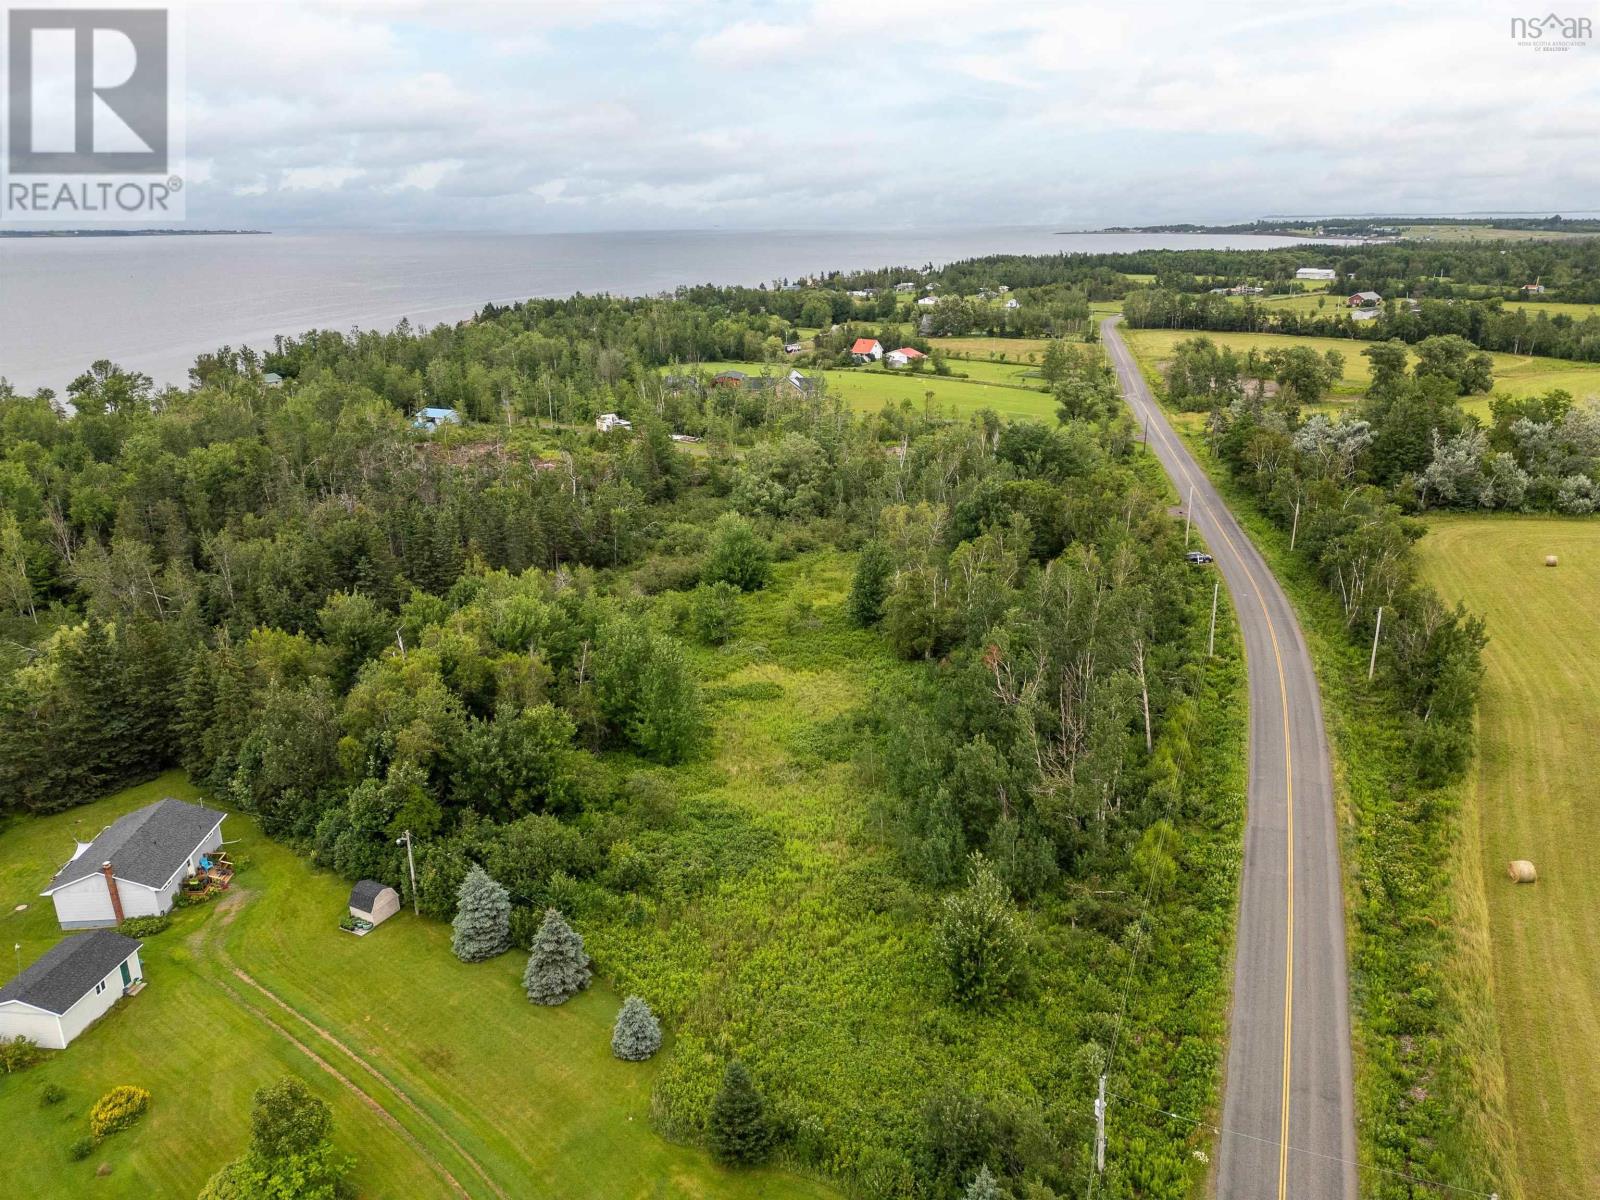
1288, 1109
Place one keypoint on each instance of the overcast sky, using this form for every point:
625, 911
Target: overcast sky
549, 115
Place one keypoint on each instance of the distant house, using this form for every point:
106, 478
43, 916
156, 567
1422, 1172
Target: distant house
795, 348
683, 437
70, 986
903, 357
1533, 289
866, 350
1365, 300
272, 379
863, 293
373, 902
1316, 273
1220, 291
793, 384
927, 301
1004, 289
905, 287
606, 422
729, 379
1366, 314
1013, 302
429, 419
134, 867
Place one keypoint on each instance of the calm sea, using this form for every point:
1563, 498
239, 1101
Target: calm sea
153, 303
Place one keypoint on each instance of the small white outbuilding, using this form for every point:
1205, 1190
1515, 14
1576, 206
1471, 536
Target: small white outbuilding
373, 902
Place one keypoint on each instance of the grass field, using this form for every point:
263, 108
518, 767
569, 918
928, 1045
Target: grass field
1535, 800
1556, 308
1482, 233
459, 1077
1514, 375
867, 390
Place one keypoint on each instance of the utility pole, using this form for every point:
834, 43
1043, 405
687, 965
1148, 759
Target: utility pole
1100, 1128
1295, 529
1372, 663
1188, 514
1211, 642
411, 862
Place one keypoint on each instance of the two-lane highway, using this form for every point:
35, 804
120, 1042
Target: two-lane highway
1288, 1111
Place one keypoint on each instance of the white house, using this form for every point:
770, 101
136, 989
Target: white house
606, 422
135, 866
1013, 302
905, 287
430, 419
69, 988
903, 357
927, 301
866, 350
1316, 273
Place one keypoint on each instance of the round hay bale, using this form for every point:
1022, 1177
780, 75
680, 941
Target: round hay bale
1521, 871
1550, 560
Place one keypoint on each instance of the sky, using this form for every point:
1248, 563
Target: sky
553, 116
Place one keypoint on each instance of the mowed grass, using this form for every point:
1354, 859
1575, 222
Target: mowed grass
1556, 308
1535, 799
868, 389
503, 1098
1514, 375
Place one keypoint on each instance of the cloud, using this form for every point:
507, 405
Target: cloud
643, 113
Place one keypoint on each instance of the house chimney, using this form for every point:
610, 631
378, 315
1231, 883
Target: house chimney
111, 886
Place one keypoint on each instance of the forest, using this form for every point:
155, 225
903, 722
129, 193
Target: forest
508, 638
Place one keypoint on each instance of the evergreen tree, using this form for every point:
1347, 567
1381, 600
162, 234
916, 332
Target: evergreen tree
738, 1130
558, 969
637, 1034
979, 938
870, 586
983, 1185
483, 918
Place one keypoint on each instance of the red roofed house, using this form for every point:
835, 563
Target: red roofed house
866, 350
903, 357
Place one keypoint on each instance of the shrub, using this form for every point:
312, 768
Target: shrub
739, 1131
738, 555
117, 1110
558, 968
637, 1034
19, 1054
81, 1148
714, 612
53, 1093
483, 918
143, 927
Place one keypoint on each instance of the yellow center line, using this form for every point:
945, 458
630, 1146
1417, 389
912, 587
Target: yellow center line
1151, 423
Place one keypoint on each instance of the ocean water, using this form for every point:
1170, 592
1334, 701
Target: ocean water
153, 303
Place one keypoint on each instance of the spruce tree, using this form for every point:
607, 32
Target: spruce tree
984, 1186
637, 1034
558, 969
738, 1129
483, 918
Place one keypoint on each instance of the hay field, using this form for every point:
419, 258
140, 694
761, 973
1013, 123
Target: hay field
1535, 798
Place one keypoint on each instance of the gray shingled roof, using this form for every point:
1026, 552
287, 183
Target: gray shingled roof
145, 846
66, 971
365, 892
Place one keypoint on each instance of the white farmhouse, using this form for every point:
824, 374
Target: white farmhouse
1316, 273
606, 422
135, 866
71, 986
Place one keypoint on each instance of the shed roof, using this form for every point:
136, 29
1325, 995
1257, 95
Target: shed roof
64, 974
145, 846
365, 894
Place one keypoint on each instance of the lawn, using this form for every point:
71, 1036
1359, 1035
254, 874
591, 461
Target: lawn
1514, 375
868, 389
477, 1085
1535, 800
1556, 308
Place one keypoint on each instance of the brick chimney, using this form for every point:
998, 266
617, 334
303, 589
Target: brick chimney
111, 886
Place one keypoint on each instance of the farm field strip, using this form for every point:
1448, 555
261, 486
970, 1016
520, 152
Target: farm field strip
1533, 793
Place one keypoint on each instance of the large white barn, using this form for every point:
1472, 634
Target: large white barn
136, 865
